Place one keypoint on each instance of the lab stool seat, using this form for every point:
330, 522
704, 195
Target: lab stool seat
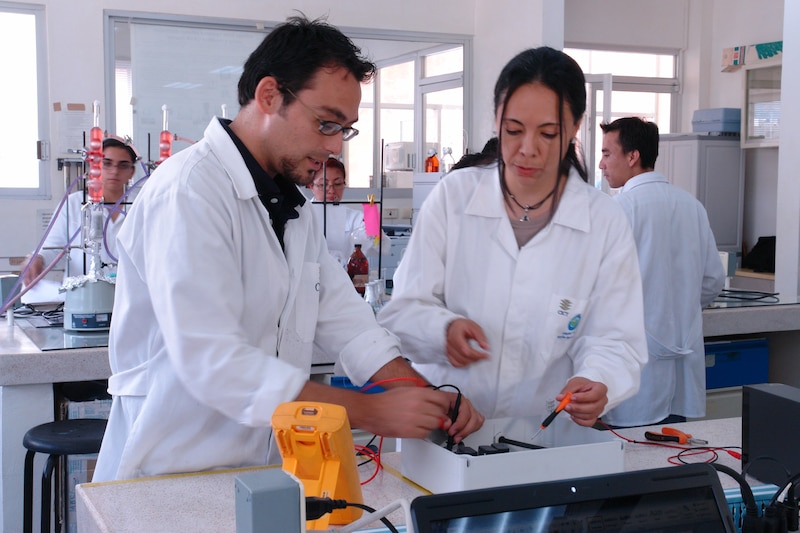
57, 439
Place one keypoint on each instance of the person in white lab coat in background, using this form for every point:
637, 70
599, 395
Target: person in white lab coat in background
343, 225
681, 274
119, 166
224, 282
520, 282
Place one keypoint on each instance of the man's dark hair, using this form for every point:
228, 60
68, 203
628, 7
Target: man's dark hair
636, 134
294, 51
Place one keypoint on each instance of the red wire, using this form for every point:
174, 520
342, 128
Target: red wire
375, 456
696, 450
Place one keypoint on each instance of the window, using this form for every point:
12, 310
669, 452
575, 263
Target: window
643, 85
193, 67
23, 158
420, 98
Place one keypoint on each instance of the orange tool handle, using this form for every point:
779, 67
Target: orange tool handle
683, 438
561, 405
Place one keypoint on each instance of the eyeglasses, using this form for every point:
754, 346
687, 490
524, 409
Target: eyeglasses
328, 127
329, 185
120, 165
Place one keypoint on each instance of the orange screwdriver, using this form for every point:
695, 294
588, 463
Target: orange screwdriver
549, 420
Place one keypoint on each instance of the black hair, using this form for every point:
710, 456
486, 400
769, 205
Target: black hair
488, 155
332, 162
560, 73
294, 51
114, 142
636, 134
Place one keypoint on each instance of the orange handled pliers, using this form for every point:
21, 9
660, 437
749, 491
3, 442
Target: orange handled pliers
673, 435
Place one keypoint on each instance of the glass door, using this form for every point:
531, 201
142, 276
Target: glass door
590, 136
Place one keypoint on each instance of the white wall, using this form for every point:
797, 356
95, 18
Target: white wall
499, 37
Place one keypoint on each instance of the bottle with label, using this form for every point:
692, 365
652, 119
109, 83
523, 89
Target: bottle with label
447, 160
432, 162
358, 269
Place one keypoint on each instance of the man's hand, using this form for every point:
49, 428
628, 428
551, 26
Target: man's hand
469, 419
589, 398
466, 343
401, 411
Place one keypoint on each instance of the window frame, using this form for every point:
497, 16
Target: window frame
43, 190
443, 41
671, 86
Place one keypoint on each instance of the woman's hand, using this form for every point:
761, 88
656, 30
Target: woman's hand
589, 398
466, 343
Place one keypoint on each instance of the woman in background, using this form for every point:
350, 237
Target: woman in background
119, 166
343, 227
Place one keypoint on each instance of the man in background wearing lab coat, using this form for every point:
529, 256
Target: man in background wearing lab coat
681, 274
225, 283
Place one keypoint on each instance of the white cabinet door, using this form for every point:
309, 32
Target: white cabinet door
711, 169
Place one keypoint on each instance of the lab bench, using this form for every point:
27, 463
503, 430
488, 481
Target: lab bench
205, 501
27, 374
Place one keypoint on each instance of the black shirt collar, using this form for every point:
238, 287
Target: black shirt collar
279, 195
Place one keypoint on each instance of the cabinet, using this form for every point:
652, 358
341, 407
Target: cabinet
711, 168
761, 124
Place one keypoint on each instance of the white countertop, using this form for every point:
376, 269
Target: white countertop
206, 502
23, 363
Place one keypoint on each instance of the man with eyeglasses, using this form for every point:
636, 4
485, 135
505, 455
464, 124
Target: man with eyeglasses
343, 225
225, 284
119, 160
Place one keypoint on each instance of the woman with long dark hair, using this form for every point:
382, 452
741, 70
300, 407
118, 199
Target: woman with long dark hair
520, 282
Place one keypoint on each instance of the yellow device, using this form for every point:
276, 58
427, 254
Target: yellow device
316, 444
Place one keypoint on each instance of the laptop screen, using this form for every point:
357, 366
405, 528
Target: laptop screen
678, 499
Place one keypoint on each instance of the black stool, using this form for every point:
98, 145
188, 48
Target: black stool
64, 437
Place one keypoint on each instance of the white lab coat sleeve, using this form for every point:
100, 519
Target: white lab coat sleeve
200, 263
59, 233
417, 311
612, 348
713, 273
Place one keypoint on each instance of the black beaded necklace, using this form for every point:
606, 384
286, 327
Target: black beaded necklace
526, 208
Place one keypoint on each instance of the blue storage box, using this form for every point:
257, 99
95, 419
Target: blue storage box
736, 363
717, 120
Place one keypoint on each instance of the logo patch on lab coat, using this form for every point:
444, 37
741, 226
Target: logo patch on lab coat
571, 326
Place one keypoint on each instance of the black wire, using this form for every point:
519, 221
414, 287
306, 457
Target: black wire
705, 449
367, 508
521, 444
453, 414
733, 294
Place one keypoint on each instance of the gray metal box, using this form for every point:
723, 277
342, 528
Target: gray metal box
269, 501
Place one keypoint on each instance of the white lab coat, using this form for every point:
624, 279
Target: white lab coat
681, 274
568, 303
213, 324
66, 224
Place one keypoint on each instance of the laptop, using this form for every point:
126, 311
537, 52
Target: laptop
687, 498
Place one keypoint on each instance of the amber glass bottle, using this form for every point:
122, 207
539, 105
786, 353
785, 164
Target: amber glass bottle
358, 269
